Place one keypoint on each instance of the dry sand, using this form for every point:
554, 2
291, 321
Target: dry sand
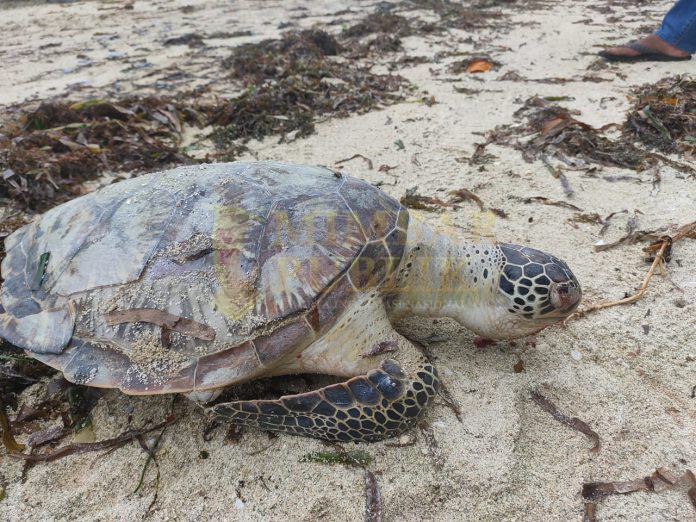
628, 371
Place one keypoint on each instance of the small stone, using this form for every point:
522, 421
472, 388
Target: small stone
238, 503
576, 355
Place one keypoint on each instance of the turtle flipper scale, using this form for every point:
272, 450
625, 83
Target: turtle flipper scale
367, 408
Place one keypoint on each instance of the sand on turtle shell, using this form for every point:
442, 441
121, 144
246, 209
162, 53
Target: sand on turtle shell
628, 372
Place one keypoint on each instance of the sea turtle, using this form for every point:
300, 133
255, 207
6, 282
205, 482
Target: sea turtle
202, 277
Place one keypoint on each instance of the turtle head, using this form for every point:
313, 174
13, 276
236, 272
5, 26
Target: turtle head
534, 290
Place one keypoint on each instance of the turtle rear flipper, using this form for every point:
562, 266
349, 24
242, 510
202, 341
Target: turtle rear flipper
371, 407
48, 331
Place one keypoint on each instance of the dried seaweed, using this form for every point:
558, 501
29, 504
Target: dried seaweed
164, 319
661, 480
17, 372
108, 444
572, 422
590, 512
427, 203
499, 212
664, 115
660, 254
51, 149
373, 498
293, 80
8, 440
456, 15
381, 22
592, 218
354, 156
483, 342
463, 194
633, 235
518, 367
357, 458
47, 152
547, 201
151, 457
40, 438
190, 39
450, 401
683, 232
552, 132
431, 445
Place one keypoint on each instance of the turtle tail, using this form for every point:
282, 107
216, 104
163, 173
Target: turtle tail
367, 408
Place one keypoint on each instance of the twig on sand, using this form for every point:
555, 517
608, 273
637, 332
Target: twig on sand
662, 252
632, 298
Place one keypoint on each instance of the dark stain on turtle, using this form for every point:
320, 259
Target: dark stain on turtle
381, 348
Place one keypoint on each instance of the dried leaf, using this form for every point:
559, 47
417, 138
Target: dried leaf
519, 366
164, 319
663, 479
597, 490
479, 65
426, 203
555, 123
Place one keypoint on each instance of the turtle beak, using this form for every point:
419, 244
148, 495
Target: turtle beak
565, 297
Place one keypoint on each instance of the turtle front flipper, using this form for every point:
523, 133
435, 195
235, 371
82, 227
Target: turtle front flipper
381, 404
48, 331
